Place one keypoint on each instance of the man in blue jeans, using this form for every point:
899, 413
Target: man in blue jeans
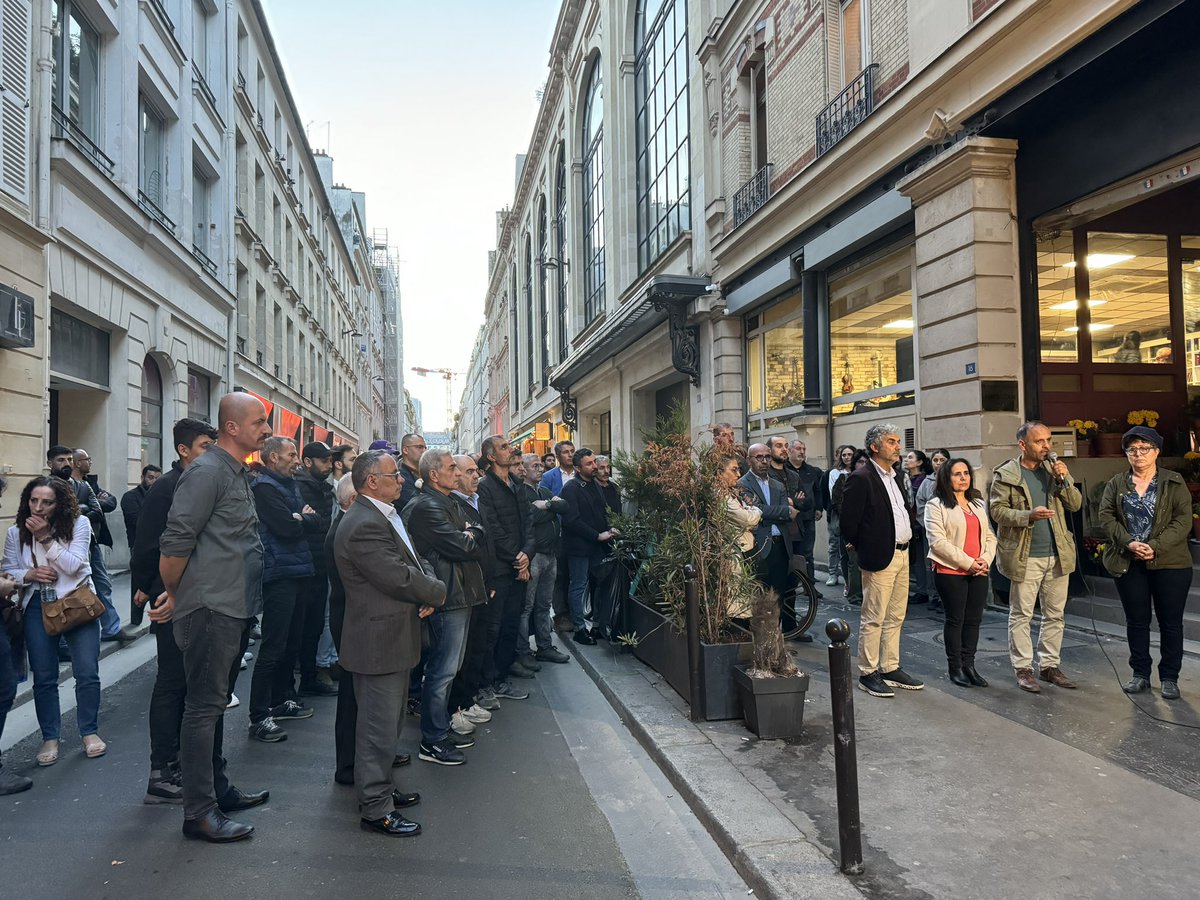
444, 539
586, 534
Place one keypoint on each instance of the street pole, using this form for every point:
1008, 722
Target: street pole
845, 756
692, 618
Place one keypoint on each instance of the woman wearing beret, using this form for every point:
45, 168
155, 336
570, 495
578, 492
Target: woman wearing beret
1146, 514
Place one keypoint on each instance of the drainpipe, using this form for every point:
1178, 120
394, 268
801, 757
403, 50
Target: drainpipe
45, 69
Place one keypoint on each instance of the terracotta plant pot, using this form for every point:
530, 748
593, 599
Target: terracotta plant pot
1108, 444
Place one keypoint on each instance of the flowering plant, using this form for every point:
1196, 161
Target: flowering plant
1085, 428
1094, 548
1147, 417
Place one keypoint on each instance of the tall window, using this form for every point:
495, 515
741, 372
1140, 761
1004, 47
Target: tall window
662, 126
855, 37
200, 38
593, 198
560, 236
151, 147
152, 413
201, 212
543, 321
76, 53
530, 356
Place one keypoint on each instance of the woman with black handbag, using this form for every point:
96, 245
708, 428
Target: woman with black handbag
47, 552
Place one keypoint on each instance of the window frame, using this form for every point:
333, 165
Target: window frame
560, 217
147, 111
592, 209
61, 86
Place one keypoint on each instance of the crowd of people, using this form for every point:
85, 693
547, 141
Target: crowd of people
416, 582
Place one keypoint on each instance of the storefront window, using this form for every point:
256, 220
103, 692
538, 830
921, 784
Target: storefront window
77, 349
754, 382
1128, 298
775, 358
871, 335
1190, 258
1057, 301
199, 396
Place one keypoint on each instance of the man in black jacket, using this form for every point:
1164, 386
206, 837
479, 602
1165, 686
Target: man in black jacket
875, 523
586, 534
545, 509
131, 509
192, 438
311, 601
443, 537
814, 487
284, 522
509, 527
772, 556
412, 446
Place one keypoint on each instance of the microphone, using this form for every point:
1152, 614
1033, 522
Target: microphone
1052, 458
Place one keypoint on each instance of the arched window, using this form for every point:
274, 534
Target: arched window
560, 253
152, 413
661, 101
531, 357
543, 320
593, 197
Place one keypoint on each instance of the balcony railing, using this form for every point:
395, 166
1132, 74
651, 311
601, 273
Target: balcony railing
161, 9
64, 128
202, 83
751, 195
153, 209
204, 260
847, 110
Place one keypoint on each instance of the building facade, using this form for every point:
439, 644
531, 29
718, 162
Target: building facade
169, 236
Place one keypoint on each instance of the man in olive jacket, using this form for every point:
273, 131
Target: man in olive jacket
444, 538
1029, 501
387, 594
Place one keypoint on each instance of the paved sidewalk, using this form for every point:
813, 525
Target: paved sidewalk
975, 793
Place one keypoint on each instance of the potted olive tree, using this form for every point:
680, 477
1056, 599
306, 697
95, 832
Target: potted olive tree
772, 688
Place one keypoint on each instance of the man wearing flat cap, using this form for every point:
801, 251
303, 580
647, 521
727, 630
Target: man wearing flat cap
312, 599
1029, 501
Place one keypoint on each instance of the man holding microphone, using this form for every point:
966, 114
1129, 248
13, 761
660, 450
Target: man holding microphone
1029, 500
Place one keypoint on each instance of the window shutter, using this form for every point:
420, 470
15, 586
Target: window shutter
15, 26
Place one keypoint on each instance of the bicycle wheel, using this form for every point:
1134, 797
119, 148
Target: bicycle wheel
800, 604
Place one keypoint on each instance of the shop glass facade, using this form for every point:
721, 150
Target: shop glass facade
775, 363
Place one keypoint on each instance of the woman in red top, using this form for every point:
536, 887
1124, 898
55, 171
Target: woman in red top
961, 548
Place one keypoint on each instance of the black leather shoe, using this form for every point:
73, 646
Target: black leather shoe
404, 801
583, 637
392, 824
236, 798
957, 676
975, 678
402, 759
216, 829
344, 777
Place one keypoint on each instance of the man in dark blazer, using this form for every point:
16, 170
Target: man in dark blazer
772, 557
586, 536
387, 594
875, 523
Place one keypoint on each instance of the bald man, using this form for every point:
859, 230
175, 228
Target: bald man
211, 568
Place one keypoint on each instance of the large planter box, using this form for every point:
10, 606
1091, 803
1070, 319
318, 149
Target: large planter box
774, 706
665, 651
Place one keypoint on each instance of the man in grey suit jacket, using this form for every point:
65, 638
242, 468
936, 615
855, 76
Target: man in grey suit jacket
772, 557
387, 595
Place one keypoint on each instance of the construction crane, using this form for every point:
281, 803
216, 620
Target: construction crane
448, 374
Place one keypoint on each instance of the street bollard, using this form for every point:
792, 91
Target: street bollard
691, 606
845, 756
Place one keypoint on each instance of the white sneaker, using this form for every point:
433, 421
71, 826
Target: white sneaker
233, 701
247, 656
831, 581
460, 724
476, 714
242, 665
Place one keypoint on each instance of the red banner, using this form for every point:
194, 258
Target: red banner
287, 423
324, 435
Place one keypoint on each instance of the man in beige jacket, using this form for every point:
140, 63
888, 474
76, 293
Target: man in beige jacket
1029, 501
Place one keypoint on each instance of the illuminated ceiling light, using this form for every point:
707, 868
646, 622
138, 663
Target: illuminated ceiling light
1095, 326
900, 324
1102, 260
1074, 304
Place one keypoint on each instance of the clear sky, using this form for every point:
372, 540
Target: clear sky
427, 105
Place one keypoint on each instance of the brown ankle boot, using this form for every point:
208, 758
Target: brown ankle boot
1026, 681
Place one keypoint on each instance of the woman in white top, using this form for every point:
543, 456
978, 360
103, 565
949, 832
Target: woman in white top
48, 549
961, 548
744, 514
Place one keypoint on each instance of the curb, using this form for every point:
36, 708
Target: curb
779, 865
107, 648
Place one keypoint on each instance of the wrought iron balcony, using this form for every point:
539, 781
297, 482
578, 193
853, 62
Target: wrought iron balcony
155, 211
204, 260
751, 195
66, 129
201, 82
848, 109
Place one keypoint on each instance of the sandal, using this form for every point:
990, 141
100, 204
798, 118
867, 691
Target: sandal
93, 746
48, 755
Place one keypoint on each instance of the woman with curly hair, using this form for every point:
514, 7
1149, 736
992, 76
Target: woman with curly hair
48, 550
741, 511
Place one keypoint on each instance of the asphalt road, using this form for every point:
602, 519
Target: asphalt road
556, 800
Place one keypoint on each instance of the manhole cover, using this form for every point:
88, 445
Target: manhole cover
993, 639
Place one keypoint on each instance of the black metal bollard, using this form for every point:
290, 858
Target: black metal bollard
692, 616
845, 755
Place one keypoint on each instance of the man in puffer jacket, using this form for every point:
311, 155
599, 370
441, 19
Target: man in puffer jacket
284, 521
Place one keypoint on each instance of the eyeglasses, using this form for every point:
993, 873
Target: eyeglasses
1141, 450
386, 474
761, 456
